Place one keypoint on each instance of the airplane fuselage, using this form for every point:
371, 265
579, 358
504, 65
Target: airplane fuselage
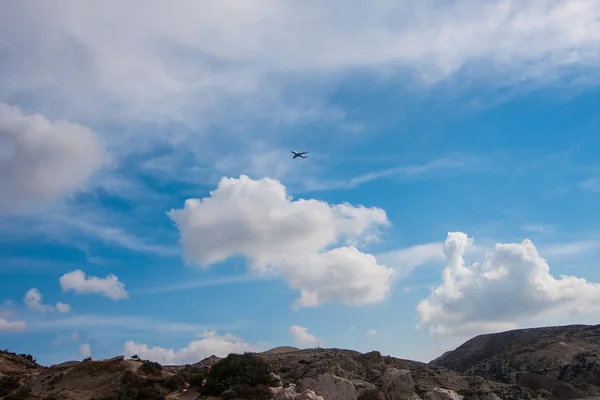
300, 154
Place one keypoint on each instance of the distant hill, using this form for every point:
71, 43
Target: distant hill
281, 350
564, 360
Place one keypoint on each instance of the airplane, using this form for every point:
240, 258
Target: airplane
300, 154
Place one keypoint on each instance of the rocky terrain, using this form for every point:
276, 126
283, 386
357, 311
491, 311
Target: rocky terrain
563, 360
545, 363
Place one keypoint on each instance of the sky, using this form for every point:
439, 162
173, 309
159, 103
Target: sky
150, 204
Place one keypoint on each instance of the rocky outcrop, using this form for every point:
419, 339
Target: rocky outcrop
561, 362
398, 385
329, 386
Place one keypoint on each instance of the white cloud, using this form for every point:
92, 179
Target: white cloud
512, 285
12, 326
110, 286
41, 160
156, 60
33, 300
591, 184
371, 332
208, 343
302, 337
84, 350
62, 307
292, 238
407, 259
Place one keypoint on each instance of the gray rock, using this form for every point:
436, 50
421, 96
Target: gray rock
491, 396
398, 385
442, 394
365, 390
309, 395
288, 393
329, 386
275, 380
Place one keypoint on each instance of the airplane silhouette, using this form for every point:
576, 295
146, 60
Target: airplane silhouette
299, 154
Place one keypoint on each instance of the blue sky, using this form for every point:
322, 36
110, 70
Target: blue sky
149, 196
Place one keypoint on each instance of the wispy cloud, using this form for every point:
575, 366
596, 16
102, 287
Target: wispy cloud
568, 248
539, 228
591, 184
441, 166
200, 283
130, 323
205, 62
70, 223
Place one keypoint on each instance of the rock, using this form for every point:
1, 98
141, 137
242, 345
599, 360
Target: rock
275, 380
229, 394
329, 386
442, 394
369, 394
309, 395
365, 390
491, 396
398, 385
288, 393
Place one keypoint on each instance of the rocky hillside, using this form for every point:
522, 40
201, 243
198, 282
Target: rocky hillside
563, 360
547, 363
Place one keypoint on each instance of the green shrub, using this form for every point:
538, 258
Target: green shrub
174, 382
247, 392
248, 368
151, 368
197, 380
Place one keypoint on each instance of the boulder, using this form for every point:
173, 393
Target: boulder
288, 393
398, 385
309, 395
442, 394
365, 390
329, 386
275, 380
491, 396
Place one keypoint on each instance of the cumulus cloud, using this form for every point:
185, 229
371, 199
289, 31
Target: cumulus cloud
208, 343
41, 160
78, 282
85, 350
62, 307
302, 337
12, 326
132, 56
33, 301
371, 332
512, 285
292, 238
